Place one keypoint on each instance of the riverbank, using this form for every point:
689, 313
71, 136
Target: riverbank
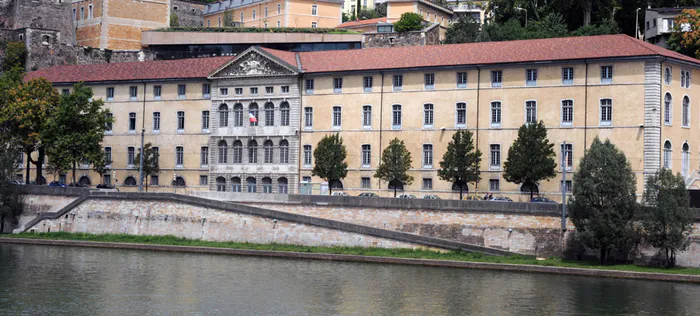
453, 259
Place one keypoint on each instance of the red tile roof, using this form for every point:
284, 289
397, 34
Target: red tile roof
286, 56
553, 49
352, 24
161, 69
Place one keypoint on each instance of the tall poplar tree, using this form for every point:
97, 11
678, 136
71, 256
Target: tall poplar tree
329, 160
396, 161
460, 163
531, 157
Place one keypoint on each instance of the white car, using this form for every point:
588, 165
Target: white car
339, 193
406, 196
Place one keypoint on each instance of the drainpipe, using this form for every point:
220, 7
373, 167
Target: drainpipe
143, 130
381, 116
478, 106
585, 109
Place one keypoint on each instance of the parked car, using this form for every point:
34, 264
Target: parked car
473, 198
15, 182
77, 185
339, 193
368, 194
502, 199
539, 199
57, 184
406, 196
431, 197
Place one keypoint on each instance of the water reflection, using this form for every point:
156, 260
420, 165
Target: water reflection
82, 281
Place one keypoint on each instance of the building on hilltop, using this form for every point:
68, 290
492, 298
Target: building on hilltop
188, 12
659, 24
197, 111
38, 14
275, 13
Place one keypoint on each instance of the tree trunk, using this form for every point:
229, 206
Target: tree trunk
2, 224
74, 183
394, 191
330, 189
603, 255
460, 192
26, 177
587, 8
39, 163
146, 184
531, 193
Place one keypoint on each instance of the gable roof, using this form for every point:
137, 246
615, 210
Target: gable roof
354, 24
283, 58
486, 53
132, 71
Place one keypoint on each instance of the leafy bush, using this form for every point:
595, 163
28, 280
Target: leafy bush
409, 22
15, 56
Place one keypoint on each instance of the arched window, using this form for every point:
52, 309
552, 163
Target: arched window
223, 115
237, 152
84, 181
525, 188
336, 184
284, 114
269, 114
268, 151
252, 152
282, 185
395, 185
220, 184
668, 155
267, 185
129, 181
685, 167
238, 114
223, 152
253, 108
236, 184
460, 184
179, 181
284, 151
668, 108
686, 111
667, 75
250, 182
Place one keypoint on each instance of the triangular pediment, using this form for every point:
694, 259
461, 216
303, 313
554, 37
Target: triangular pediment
253, 62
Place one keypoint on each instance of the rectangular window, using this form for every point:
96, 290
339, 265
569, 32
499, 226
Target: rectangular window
337, 85
223, 91
366, 183
398, 82
278, 22
461, 80
606, 112
265, 11
157, 91
206, 91
65, 92
309, 86
567, 152
337, 117
279, 8
569, 186
108, 155
254, 90
496, 78
427, 156
494, 185
238, 91
242, 17
314, 25
106, 179
284, 114
110, 120
427, 183
366, 156
179, 156
132, 122
285, 89
154, 180
307, 155
495, 114
461, 115
367, 83
495, 156
308, 117
367, 116
567, 112
130, 156
429, 81
567, 76
90, 11
110, 94
205, 120
428, 115
133, 93
269, 90
204, 156
156, 122
531, 77
180, 121
396, 116
156, 153
531, 112
82, 13
314, 10
606, 74
203, 180
254, 14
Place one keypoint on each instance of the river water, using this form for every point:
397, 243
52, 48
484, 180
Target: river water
44, 280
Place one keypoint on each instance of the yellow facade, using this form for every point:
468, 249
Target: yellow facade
277, 13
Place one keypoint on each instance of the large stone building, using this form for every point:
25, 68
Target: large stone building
642, 97
275, 13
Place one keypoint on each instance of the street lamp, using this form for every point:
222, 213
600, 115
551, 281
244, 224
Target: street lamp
521, 9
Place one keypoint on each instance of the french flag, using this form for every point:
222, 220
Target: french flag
252, 117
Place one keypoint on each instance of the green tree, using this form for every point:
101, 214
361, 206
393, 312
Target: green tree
552, 25
607, 27
380, 9
174, 20
15, 56
228, 17
604, 201
409, 21
329, 157
150, 162
25, 116
665, 214
531, 157
685, 38
466, 30
396, 161
366, 14
460, 163
11, 202
76, 129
